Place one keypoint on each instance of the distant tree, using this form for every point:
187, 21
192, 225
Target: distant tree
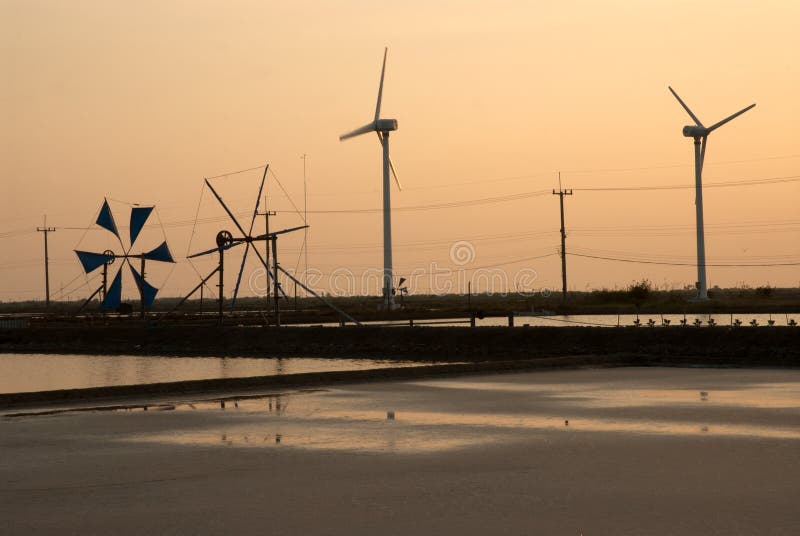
764, 292
640, 291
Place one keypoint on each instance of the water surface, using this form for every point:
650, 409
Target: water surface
44, 372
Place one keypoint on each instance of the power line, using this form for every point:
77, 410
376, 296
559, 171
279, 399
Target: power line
438, 206
671, 257
448, 205
673, 166
694, 264
718, 184
237, 172
459, 269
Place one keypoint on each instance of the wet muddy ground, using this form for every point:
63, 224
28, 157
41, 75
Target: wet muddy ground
594, 451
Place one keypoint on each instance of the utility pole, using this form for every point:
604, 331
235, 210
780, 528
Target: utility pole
561, 193
274, 241
305, 221
221, 284
46, 230
267, 214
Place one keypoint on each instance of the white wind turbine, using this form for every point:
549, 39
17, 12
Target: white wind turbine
382, 127
700, 134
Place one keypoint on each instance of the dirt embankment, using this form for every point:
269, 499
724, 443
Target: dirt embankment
477, 350
775, 346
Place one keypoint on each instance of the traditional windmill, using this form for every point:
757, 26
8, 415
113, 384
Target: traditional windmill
226, 240
112, 295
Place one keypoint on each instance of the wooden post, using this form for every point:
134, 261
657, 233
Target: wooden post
141, 290
221, 284
275, 280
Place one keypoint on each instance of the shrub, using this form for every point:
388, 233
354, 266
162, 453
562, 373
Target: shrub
639, 292
764, 292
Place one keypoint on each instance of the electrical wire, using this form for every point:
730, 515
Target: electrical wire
296, 209
237, 172
719, 184
665, 263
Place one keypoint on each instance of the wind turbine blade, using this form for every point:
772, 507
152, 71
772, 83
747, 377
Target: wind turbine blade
221, 202
359, 131
391, 164
737, 114
239, 277
394, 173
703, 152
694, 117
258, 199
380, 87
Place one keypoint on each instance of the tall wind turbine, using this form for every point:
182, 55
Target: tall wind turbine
382, 127
700, 134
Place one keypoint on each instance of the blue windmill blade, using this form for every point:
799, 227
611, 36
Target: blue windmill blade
239, 277
147, 290
139, 216
114, 293
106, 219
161, 253
92, 261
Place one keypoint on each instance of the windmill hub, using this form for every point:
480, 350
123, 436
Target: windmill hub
386, 125
224, 238
693, 131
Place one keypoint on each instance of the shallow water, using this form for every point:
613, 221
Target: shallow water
605, 451
44, 372
441, 415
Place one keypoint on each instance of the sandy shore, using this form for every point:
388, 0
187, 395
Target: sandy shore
643, 453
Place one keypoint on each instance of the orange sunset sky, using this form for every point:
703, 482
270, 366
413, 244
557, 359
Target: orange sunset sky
139, 101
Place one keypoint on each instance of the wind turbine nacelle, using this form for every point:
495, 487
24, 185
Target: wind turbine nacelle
386, 125
693, 131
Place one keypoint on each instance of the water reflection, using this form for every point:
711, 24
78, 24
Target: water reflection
44, 372
328, 423
433, 431
757, 395
454, 414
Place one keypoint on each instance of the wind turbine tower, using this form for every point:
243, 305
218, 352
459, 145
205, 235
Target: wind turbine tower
700, 134
382, 127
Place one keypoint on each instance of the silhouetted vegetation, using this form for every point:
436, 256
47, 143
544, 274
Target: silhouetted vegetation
764, 292
639, 292
638, 297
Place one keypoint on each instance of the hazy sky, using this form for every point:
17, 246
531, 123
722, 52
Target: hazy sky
139, 101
